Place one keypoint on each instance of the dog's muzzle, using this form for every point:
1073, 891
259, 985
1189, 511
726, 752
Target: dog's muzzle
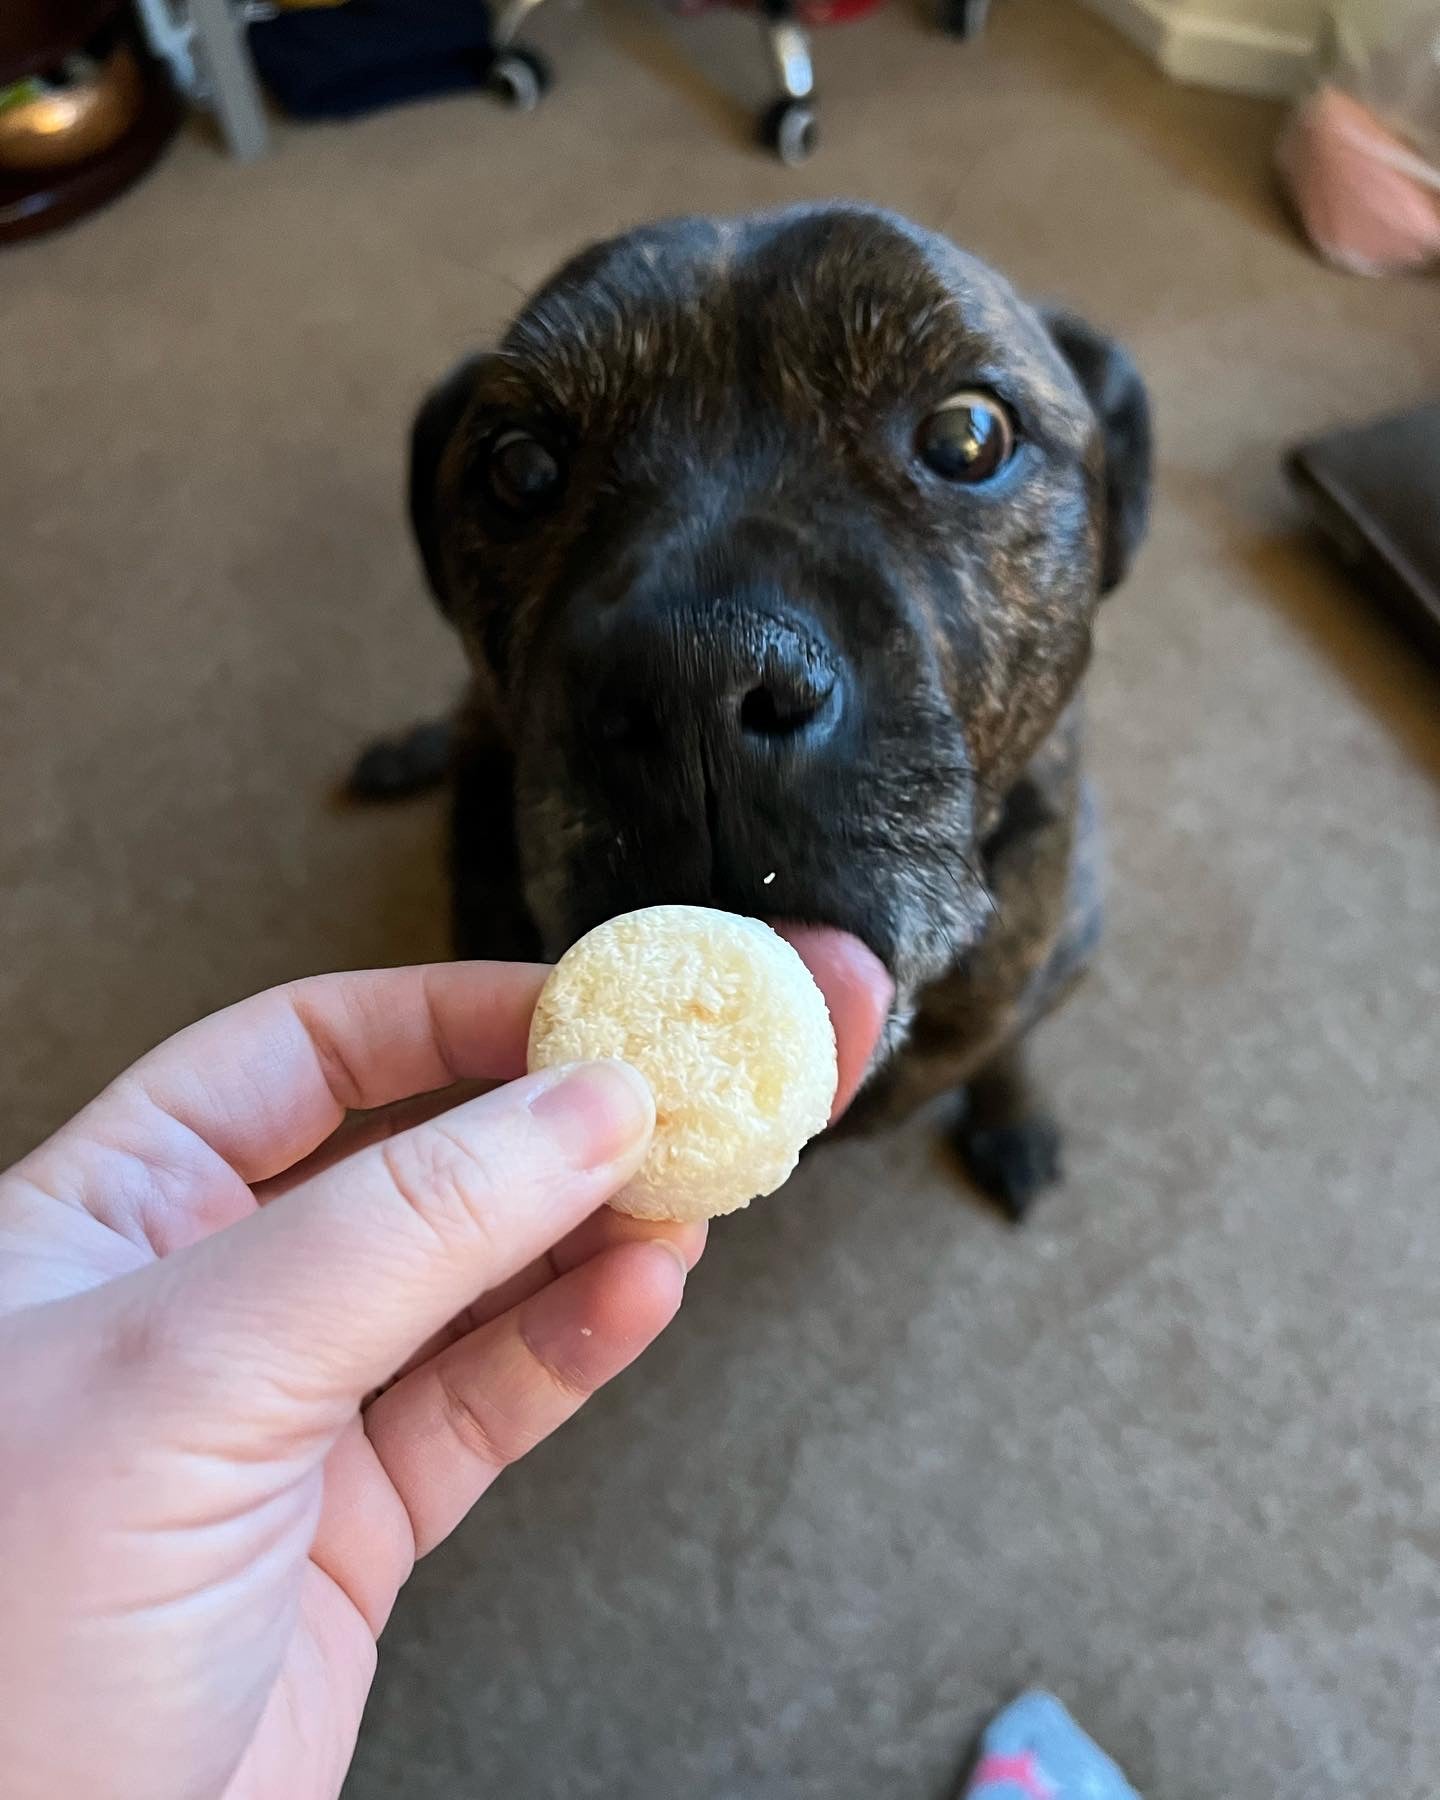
718, 734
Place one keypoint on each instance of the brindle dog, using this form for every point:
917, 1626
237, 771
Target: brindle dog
775, 546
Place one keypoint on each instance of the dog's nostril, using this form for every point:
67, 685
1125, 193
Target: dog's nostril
770, 712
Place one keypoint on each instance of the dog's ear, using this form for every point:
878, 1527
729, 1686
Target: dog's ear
1115, 390
435, 425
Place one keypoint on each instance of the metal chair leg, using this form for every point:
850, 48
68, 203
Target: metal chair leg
964, 18
788, 126
204, 44
518, 75
790, 54
507, 27
234, 92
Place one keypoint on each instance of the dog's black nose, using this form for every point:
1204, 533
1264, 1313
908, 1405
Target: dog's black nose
758, 681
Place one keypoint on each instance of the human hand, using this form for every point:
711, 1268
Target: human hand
201, 1278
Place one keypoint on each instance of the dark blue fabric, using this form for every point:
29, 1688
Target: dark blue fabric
334, 62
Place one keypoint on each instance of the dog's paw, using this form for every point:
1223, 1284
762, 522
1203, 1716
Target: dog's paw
1012, 1164
394, 768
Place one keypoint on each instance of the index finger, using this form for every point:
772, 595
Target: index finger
266, 1081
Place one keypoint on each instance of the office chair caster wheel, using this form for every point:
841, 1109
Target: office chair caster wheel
964, 18
791, 131
519, 78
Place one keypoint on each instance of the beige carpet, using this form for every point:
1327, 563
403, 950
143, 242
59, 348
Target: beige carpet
1173, 1449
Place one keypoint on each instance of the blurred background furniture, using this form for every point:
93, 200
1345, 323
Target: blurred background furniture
788, 126
84, 110
342, 61
1246, 46
1374, 490
339, 58
204, 43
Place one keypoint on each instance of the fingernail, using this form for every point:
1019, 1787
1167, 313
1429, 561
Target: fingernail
675, 1252
596, 1112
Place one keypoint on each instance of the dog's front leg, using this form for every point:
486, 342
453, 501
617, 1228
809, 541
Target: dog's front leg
411, 762
1007, 1139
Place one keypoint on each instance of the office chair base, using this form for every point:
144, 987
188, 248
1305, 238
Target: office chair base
964, 18
790, 129
519, 77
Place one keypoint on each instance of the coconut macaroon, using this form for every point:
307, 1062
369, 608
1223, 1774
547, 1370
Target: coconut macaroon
724, 1021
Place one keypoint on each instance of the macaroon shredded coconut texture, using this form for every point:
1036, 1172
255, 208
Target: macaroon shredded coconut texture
725, 1022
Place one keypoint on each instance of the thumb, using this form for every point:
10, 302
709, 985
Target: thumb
321, 1295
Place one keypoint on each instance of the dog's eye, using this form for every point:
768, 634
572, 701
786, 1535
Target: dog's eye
525, 475
970, 438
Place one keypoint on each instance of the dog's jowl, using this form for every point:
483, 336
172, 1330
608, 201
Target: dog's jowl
775, 545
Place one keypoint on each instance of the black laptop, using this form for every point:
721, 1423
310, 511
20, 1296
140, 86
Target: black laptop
1375, 491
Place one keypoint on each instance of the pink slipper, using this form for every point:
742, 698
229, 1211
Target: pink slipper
1368, 203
